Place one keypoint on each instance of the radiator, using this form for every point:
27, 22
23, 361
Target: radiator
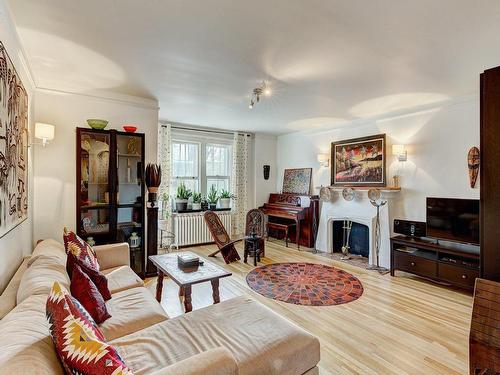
190, 229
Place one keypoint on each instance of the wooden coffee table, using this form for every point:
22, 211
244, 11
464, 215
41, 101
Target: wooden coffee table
185, 278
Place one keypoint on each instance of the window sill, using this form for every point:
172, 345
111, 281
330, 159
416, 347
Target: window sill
200, 211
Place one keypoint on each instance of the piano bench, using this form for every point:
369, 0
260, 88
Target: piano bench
280, 227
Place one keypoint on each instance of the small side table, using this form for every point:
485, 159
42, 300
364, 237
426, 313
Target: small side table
252, 248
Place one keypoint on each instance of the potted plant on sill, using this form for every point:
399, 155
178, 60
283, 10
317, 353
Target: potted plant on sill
204, 203
196, 201
212, 197
182, 197
225, 199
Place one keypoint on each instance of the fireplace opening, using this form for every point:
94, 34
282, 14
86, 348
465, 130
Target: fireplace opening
359, 238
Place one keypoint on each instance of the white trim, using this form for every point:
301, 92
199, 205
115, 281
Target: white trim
134, 101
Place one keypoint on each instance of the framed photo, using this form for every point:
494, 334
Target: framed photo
359, 161
297, 181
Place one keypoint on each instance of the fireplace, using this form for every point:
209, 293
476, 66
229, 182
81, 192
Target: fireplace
359, 237
360, 211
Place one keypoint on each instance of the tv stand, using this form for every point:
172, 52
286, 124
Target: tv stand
445, 264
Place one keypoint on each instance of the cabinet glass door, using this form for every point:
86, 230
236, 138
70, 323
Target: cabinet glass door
129, 197
95, 195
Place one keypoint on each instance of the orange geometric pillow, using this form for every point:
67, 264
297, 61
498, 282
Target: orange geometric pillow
80, 345
80, 249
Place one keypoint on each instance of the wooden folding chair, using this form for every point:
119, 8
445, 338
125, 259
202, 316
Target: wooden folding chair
484, 339
221, 238
256, 225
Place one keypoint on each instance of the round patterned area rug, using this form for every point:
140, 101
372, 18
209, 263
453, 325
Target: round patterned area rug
305, 284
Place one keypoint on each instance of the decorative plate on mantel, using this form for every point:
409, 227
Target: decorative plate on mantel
374, 194
348, 194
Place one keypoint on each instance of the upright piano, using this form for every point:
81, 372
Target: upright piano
303, 210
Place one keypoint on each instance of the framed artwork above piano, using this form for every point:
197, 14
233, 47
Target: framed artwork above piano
297, 181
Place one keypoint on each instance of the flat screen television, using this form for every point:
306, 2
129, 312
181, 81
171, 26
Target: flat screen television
453, 219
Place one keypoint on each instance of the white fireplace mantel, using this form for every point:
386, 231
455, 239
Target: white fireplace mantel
361, 211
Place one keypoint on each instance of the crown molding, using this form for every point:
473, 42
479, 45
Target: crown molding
107, 96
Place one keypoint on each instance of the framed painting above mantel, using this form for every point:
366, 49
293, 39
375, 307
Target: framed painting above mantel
359, 162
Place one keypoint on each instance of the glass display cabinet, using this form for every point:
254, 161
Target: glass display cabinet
110, 201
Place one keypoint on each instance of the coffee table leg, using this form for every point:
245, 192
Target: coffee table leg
187, 299
181, 291
215, 290
159, 286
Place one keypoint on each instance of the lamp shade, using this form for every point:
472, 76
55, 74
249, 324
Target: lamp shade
45, 132
400, 152
398, 149
323, 159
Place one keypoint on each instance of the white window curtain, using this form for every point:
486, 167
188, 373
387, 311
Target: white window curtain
239, 182
165, 145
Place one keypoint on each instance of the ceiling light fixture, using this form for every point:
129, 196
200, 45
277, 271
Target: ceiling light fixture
263, 89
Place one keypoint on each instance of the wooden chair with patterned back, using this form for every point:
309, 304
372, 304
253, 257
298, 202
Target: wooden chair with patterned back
256, 225
484, 339
221, 238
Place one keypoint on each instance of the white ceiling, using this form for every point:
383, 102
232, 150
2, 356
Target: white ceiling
328, 61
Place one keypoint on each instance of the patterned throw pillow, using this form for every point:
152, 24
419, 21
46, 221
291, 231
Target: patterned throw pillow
98, 278
80, 249
80, 345
85, 291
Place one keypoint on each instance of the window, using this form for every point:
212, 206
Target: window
200, 165
185, 165
217, 166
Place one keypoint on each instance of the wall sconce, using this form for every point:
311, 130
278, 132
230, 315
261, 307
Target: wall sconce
45, 132
400, 152
324, 160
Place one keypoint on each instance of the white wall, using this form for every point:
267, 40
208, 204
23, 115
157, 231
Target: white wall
55, 167
437, 139
18, 242
264, 151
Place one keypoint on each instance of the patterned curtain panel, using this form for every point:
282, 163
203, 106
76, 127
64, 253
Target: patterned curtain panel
239, 182
165, 142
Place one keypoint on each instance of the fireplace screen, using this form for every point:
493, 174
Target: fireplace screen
357, 238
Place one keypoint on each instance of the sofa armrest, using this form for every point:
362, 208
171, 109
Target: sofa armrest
218, 361
113, 255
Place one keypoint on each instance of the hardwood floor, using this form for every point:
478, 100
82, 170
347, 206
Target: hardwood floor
400, 325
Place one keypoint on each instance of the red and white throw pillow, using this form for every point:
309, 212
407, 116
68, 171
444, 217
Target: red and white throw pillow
80, 345
86, 292
80, 249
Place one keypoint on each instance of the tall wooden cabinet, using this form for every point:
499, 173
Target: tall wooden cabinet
110, 191
490, 174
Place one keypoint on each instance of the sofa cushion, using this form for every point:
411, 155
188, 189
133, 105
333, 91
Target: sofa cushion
49, 249
261, 341
131, 310
26, 346
80, 249
79, 344
85, 291
97, 277
40, 276
217, 361
9, 295
121, 278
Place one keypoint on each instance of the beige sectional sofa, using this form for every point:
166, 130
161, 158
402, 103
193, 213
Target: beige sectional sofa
238, 336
